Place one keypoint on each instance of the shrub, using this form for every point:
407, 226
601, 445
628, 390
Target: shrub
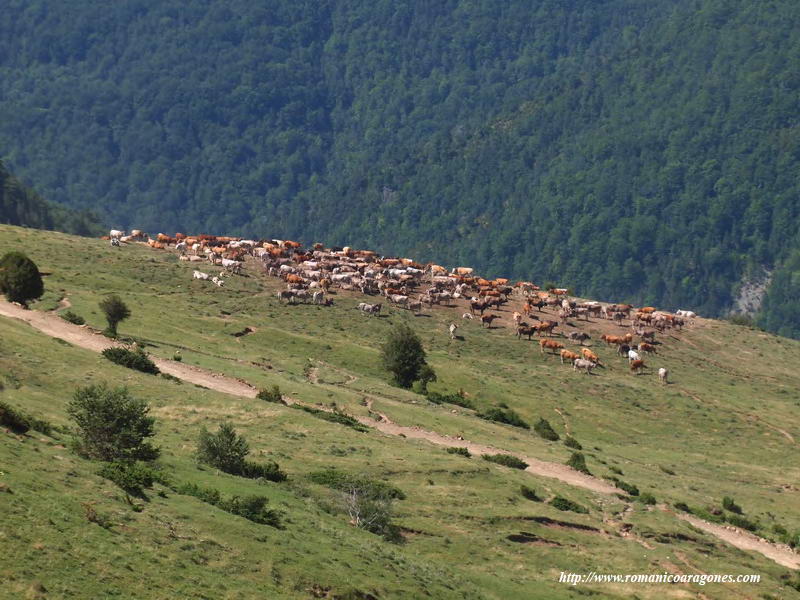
509, 417
630, 489
115, 311
269, 471
578, 462
252, 508
459, 450
647, 498
529, 493
132, 359
341, 481
177, 356
683, 506
456, 398
12, 418
111, 424
742, 522
506, 460
403, 356
71, 317
132, 477
545, 430
270, 395
567, 505
20, 279
333, 417
425, 376
571, 442
729, 504
226, 451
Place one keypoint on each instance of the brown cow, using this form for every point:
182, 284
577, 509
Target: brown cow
550, 345
487, 320
569, 355
649, 348
589, 355
546, 327
637, 366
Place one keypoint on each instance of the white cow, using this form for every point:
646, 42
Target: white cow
116, 233
200, 275
318, 297
234, 266
453, 327
633, 355
217, 281
662, 375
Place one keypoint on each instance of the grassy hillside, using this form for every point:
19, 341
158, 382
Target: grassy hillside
726, 426
642, 149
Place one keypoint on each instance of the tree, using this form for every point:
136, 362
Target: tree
20, 279
225, 449
403, 355
115, 311
111, 424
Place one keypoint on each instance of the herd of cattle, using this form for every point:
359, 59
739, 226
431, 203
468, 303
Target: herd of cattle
311, 274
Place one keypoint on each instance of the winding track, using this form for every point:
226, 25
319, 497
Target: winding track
82, 336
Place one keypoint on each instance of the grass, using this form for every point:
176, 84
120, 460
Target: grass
697, 440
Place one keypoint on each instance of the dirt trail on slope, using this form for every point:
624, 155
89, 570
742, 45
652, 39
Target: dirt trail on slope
746, 541
83, 337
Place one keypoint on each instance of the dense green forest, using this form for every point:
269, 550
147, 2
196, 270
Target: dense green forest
20, 205
634, 150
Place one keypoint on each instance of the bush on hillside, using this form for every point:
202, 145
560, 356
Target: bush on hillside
456, 398
506, 460
339, 480
226, 450
571, 442
567, 505
578, 462
403, 356
742, 522
111, 424
270, 395
333, 417
71, 317
509, 417
459, 450
529, 493
132, 359
252, 508
627, 487
115, 311
20, 279
729, 504
132, 477
545, 430
646, 498
14, 419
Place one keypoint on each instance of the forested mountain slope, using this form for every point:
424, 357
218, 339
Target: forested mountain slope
634, 150
19, 205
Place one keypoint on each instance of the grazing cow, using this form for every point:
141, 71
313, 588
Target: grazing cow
370, 309
234, 266
546, 327
115, 233
648, 348
585, 364
623, 349
477, 305
467, 316
195, 259
399, 299
569, 355
589, 355
287, 295
633, 355
452, 329
579, 336
318, 297
662, 375
647, 310
647, 335
487, 320
550, 345
415, 307
303, 295
525, 330
637, 366
517, 318
200, 275
686, 313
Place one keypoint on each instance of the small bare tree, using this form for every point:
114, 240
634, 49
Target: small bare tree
370, 510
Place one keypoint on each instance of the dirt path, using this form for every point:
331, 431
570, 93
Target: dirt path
81, 336
746, 541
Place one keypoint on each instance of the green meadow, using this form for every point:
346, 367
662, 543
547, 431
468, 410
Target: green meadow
727, 425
